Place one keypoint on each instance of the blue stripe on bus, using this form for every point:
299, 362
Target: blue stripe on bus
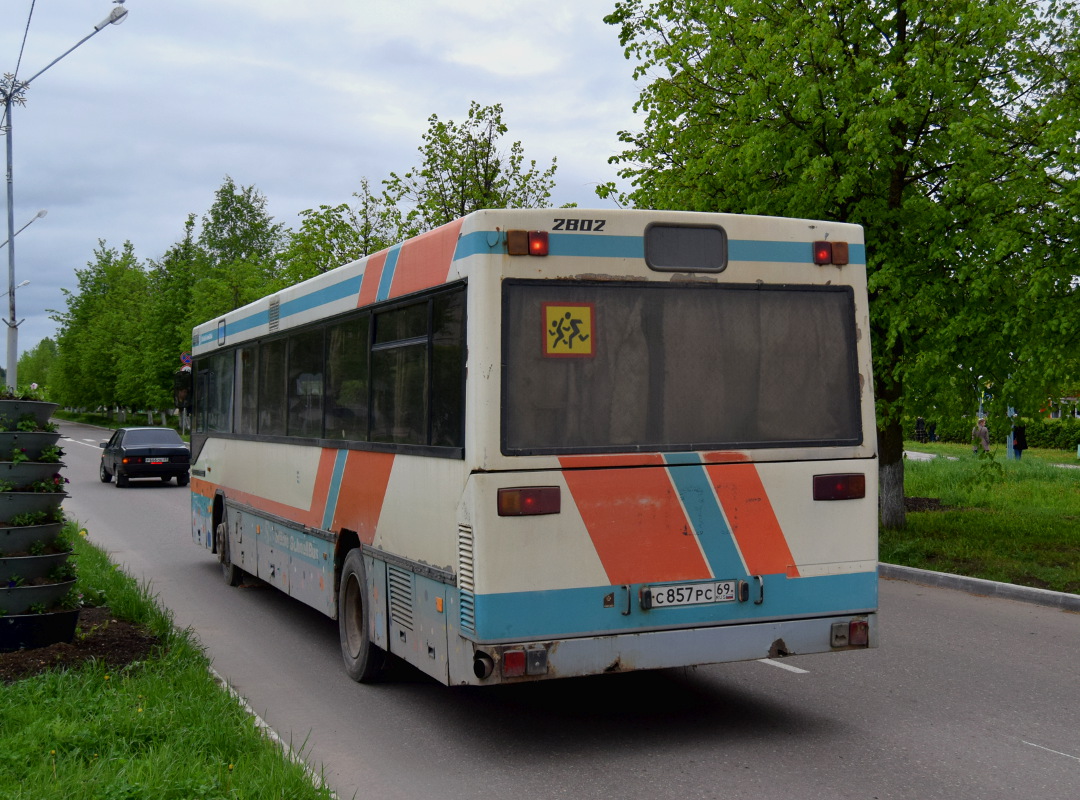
704, 512
349, 287
387, 278
335, 489
561, 244
584, 245
579, 612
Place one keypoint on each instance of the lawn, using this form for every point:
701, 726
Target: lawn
156, 727
1002, 520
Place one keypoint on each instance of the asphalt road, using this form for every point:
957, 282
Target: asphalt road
966, 697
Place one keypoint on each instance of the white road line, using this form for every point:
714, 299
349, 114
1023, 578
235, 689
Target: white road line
788, 667
1055, 752
84, 443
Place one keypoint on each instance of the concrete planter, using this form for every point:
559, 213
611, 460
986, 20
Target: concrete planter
25, 579
20, 539
30, 442
19, 599
12, 412
30, 631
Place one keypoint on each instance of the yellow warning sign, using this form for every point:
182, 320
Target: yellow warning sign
569, 330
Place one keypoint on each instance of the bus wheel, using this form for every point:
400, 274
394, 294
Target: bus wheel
364, 660
229, 571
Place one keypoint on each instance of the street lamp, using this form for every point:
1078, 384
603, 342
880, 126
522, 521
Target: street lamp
13, 92
36, 216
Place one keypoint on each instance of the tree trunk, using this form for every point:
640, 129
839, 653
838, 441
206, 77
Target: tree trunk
891, 466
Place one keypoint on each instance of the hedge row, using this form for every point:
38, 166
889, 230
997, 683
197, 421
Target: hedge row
1053, 434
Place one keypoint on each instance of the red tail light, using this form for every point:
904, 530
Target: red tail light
527, 243
831, 253
513, 663
524, 501
538, 243
840, 487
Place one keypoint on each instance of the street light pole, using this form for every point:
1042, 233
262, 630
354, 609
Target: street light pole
33, 219
14, 93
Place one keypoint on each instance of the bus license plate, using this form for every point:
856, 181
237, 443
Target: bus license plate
693, 594
157, 460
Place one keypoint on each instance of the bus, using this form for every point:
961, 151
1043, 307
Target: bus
542, 443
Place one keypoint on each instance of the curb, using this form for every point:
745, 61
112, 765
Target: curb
983, 588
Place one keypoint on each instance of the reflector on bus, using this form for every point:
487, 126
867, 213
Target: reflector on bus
840, 487
525, 501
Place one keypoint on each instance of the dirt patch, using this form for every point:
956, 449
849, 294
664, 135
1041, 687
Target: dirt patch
98, 637
924, 504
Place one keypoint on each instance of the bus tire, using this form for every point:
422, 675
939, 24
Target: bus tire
364, 660
232, 574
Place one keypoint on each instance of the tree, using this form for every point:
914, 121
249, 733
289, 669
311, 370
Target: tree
945, 127
239, 249
170, 316
35, 365
334, 235
462, 170
98, 336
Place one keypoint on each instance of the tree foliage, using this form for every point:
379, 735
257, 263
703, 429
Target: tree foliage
36, 365
947, 128
462, 170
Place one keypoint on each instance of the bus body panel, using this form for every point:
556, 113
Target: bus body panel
452, 584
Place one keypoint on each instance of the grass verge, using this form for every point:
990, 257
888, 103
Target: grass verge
1011, 521
160, 728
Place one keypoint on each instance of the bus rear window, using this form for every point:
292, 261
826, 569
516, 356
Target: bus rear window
685, 248
629, 367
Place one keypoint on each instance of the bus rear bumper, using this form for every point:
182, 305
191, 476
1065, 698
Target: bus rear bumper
485, 665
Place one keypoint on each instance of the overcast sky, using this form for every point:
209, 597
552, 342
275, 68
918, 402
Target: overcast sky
138, 127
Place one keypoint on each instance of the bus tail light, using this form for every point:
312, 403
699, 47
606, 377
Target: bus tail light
859, 633
840, 487
526, 501
527, 243
835, 253
513, 663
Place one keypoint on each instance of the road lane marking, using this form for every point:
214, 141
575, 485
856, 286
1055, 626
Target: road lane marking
1055, 752
84, 442
788, 667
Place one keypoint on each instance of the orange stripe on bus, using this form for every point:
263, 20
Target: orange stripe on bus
323, 477
369, 284
752, 519
363, 489
425, 261
637, 525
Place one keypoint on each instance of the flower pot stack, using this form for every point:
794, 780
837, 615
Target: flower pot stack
35, 576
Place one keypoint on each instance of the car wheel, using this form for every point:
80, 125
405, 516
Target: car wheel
121, 481
104, 473
182, 480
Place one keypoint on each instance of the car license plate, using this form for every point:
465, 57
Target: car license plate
164, 460
693, 594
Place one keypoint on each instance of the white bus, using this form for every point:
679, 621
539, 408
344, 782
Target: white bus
542, 443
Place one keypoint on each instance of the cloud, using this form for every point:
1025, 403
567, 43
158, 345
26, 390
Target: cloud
137, 128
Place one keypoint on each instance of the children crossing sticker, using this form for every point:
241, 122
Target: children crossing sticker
569, 330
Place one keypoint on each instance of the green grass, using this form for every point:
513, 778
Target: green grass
159, 729
1011, 521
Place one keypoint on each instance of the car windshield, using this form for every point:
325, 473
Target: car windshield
164, 436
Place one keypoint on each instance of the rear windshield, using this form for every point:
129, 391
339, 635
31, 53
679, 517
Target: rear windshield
150, 437
611, 367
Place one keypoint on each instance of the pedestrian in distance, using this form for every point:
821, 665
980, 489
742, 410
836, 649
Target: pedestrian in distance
980, 435
1019, 441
